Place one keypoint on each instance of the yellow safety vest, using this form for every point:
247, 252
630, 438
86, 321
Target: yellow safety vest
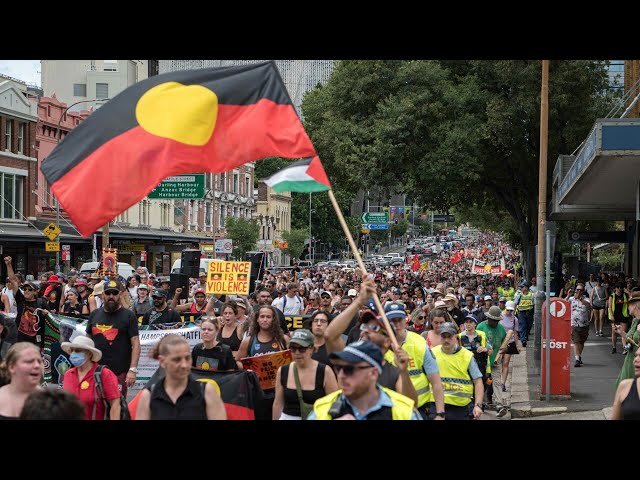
612, 306
526, 302
415, 346
402, 408
507, 293
454, 373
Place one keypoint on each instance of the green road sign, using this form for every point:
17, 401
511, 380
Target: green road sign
180, 186
375, 217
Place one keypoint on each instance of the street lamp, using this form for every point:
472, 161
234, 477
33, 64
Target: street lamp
64, 112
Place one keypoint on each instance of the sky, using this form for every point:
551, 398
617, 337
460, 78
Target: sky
26, 70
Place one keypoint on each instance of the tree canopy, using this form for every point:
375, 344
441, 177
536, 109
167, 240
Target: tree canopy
244, 233
453, 134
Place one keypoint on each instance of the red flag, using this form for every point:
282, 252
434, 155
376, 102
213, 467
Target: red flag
416, 263
209, 120
456, 258
484, 251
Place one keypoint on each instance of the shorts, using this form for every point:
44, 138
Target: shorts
579, 334
619, 320
595, 307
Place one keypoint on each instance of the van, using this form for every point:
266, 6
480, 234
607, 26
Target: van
124, 269
204, 264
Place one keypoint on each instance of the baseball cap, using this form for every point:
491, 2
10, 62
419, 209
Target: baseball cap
395, 290
302, 337
471, 317
111, 284
395, 310
502, 299
352, 293
487, 297
159, 292
199, 290
360, 351
144, 286
449, 328
324, 293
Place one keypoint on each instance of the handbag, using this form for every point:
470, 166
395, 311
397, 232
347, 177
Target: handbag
305, 408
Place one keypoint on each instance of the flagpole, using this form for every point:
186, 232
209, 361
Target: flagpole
356, 255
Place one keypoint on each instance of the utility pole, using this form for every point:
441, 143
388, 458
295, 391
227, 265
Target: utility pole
542, 212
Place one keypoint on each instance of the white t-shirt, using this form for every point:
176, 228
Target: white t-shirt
289, 306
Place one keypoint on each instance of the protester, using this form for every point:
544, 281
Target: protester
80, 380
178, 396
23, 369
264, 336
305, 378
360, 397
114, 330
580, 313
212, 354
496, 335
630, 339
626, 403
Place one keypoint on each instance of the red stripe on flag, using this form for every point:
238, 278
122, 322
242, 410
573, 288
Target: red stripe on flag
124, 170
316, 171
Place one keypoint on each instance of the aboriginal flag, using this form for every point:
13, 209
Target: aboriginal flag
209, 120
240, 391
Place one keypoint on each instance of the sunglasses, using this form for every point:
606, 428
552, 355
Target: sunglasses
348, 369
111, 293
298, 348
373, 328
29, 289
422, 317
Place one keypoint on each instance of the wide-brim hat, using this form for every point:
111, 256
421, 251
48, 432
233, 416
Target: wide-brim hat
451, 298
54, 279
83, 343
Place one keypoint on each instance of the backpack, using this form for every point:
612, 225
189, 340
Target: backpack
124, 407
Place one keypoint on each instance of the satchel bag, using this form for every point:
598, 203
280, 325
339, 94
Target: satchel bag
305, 408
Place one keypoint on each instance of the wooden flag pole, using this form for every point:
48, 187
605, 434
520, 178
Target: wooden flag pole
358, 258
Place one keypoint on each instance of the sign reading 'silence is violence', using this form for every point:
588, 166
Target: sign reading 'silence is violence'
228, 278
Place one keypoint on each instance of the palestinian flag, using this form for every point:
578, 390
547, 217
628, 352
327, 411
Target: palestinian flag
305, 176
209, 120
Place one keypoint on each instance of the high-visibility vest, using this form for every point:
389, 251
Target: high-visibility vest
454, 373
402, 408
612, 306
526, 302
415, 346
508, 293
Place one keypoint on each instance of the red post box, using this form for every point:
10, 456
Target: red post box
560, 344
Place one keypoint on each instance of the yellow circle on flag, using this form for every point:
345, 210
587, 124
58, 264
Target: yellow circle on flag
184, 113
212, 382
487, 267
84, 385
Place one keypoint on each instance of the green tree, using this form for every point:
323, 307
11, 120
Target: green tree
453, 133
399, 229
244, 233
296, 239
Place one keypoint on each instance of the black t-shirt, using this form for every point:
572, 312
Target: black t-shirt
168, 315
71, 310
52, 301
112, 333
219, 357
30, 324
321, 354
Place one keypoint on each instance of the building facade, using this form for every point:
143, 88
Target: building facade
77, 80
18, 168
274, 217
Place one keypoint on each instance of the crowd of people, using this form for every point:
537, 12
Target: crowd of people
441, 350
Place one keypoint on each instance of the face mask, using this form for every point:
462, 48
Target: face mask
78, 358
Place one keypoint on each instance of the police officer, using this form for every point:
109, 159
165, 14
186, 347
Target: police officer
524, 311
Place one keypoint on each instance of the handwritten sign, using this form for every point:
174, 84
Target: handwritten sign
228, 278
266, 366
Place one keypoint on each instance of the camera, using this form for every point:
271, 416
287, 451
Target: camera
627, 347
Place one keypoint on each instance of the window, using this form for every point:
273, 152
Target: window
102, 90
79, 89
11, 186
7, 135
223, 179
21, 138
246, 190
235, 183
222, 212
207, 214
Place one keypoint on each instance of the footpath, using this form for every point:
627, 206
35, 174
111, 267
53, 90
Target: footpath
591, 385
